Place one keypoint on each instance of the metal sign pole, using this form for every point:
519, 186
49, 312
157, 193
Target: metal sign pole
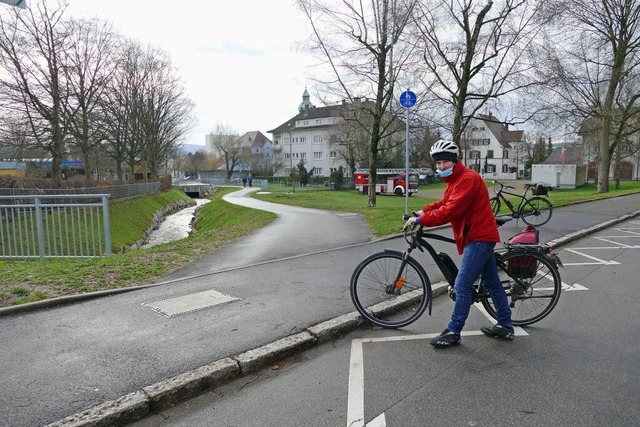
406, 166
407, 100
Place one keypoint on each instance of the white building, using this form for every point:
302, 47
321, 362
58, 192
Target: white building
494, 151
306, 137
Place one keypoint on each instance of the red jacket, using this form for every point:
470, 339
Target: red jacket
465, 205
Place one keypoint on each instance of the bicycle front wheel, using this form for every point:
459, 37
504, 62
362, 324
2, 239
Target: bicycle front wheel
389, 292
495, 205
532, 283
536, 211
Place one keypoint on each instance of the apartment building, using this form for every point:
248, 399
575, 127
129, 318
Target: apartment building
306, 137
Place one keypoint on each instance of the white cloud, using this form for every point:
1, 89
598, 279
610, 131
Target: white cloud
237, 58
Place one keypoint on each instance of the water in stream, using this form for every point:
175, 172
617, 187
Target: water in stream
175, 226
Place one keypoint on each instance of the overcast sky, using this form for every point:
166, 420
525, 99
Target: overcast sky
238, 59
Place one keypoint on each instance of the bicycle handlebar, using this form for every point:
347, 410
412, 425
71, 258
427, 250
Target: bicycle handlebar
503, 185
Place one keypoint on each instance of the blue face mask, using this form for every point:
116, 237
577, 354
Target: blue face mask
445, 173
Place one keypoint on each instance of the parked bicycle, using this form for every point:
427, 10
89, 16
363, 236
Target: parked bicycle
534, 211
391, 289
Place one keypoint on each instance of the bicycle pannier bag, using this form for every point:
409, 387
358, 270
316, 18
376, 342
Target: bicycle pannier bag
540, 190
524, 267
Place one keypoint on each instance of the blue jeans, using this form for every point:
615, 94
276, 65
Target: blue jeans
478, 261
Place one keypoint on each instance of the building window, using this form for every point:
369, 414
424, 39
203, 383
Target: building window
505, 154
491, 168
474, 154
287, 155
317, 139
505, 168
317, 171
303, 139
303, 155
317, 155
478, 141
318, 121
305, 123
333, 155
489, 154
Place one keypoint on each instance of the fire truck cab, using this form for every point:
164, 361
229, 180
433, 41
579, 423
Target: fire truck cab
389, 181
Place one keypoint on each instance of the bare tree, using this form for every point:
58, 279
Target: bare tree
475, 52
32, 43
166, 112
596, 70
88, 65
362, 44
226, 144
119, 105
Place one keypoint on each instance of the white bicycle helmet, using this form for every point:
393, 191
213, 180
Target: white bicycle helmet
444, 150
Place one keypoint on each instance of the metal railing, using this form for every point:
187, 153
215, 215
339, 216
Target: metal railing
50, 226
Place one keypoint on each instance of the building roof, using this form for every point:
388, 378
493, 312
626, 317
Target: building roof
254, 139
566, 155
501, 131
309, 114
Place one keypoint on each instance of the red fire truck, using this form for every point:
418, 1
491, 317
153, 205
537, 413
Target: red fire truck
389, 181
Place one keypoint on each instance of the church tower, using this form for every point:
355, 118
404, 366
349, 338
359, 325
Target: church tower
306, 103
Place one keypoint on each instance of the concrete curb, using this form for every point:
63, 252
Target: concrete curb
166, 393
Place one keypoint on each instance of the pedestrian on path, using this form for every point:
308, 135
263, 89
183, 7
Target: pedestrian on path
465, 204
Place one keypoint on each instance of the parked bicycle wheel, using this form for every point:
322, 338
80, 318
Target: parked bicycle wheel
387, 296
532, 283
536, 211
495, 205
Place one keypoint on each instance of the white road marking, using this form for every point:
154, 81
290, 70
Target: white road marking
575, 287
598, 260
355, 395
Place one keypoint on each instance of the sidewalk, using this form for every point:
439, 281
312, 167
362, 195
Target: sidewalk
121, 351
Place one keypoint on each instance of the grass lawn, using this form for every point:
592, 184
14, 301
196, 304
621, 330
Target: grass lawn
386, 217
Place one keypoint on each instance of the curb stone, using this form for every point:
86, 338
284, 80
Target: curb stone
164, 394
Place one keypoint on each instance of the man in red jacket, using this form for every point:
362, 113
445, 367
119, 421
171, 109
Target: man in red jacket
465, 205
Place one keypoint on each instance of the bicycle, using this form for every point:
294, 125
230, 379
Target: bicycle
534, 211
391, 289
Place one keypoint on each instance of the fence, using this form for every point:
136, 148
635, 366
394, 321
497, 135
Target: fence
114, 191
47, 226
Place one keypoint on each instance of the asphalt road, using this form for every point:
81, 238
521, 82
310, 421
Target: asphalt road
59, 361
577, 367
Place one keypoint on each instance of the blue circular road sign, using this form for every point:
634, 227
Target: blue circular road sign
408, 99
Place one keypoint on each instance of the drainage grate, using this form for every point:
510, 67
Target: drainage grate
189, 303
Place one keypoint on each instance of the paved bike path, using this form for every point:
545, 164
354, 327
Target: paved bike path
62, 360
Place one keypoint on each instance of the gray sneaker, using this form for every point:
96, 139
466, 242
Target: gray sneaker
498, 331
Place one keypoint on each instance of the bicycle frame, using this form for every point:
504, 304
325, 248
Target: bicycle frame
450, 270
523, 198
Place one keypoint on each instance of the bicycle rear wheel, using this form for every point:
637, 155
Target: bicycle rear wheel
495, 205
382, 298
536, 211
532, 283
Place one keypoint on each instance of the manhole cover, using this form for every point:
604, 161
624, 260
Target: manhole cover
189, 303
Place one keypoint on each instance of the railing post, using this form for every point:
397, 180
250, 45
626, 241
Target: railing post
39, 227
107, 224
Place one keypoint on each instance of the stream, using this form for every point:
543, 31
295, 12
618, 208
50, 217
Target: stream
175, 226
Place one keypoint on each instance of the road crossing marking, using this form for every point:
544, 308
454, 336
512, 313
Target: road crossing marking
355, 395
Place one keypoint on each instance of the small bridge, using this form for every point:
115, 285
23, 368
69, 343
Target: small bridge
195, 189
